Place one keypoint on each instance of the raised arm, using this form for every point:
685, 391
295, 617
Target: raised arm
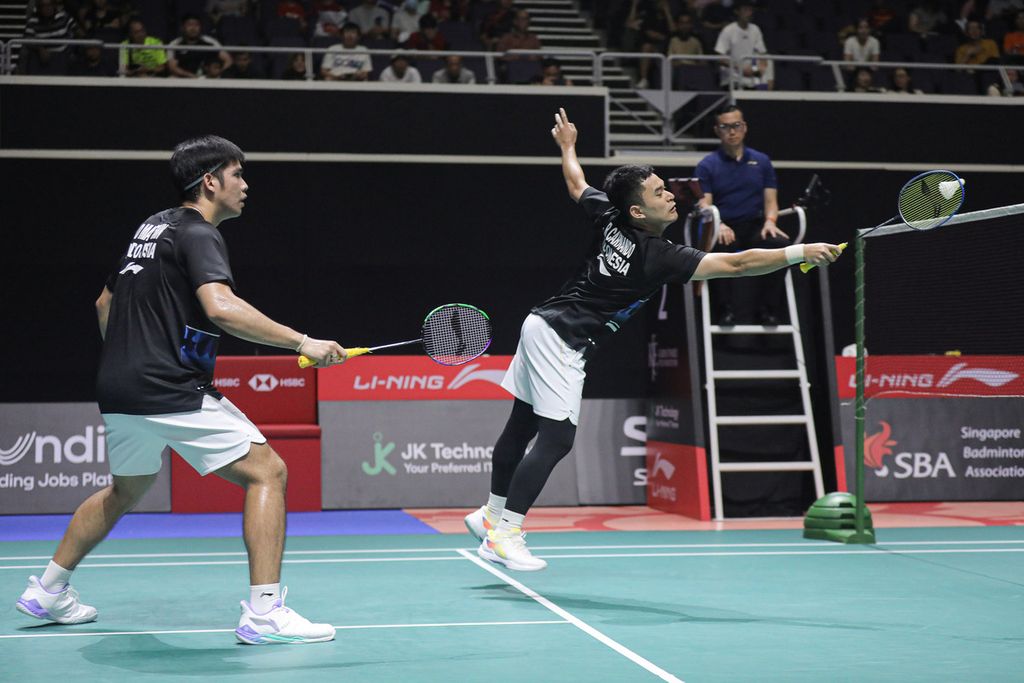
564, 134
763, 261
241, 319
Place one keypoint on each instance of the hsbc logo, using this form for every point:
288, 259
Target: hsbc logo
905, 465
266, 382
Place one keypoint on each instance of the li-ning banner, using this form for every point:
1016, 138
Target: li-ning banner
53, 456
940, 449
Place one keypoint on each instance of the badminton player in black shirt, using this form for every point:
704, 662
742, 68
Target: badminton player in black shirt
628, 261
161, 314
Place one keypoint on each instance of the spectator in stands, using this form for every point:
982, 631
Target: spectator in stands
96, 14
428, 37
520, 37
400, 71
977, 49
242, 66
216, 9
186, 63
862, 46
348, 60
374, 22
405, 21
296, 69
212, 67
902, 83
927, 18
654, 19
1013, 41
1014, 89
330, 17
450, 10
292, 9
90, 63
864, 81
454, 72
142, 63
740, 42
741, 182
497, 23
551, 73
683, 41
48, 22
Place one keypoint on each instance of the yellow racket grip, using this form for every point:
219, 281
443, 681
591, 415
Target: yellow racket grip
306, 362
807, 267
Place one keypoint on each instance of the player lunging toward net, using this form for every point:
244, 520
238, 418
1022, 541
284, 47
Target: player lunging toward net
629, 261
161, 314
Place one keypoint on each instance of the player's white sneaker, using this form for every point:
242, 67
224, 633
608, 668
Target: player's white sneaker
478, 524
509, 548
62, 607
279, 626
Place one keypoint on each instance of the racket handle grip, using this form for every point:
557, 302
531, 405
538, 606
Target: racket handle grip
306, 362
807, 267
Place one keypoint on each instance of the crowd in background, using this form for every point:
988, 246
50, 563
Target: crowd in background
971, 32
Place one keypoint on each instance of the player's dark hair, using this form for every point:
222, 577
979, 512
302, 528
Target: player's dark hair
624, 186
727, 109
194, 158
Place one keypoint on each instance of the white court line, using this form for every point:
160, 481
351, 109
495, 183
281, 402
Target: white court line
356, 627
382, 551
326, 560
575, 621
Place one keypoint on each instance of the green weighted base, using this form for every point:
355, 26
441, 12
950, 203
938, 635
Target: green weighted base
833, 517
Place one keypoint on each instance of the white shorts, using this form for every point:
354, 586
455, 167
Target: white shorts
209, 438
546, 372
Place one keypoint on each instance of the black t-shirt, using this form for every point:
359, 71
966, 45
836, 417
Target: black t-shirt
160, 348
624, 267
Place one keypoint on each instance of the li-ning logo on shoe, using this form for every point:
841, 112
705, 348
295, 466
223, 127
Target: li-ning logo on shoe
987, 376
380, 457
664, 466
263, 382
10, 456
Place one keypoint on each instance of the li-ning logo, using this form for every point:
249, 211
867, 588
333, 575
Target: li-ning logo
987, 376
427, 382
471, 374
263, 382
132, 267
664, 466
12, 455
380, 457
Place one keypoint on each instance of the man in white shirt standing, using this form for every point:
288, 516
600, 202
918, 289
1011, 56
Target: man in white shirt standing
740, 41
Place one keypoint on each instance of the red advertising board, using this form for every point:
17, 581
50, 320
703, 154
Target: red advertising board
413, 378
268, 389
923, 376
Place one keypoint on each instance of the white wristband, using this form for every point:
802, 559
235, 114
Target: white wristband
304, 338
795, 254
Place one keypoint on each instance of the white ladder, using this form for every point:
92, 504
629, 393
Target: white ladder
799, 373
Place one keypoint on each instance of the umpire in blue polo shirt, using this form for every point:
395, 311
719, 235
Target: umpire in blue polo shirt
740, 181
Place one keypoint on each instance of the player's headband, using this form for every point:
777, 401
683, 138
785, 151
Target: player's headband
201, 176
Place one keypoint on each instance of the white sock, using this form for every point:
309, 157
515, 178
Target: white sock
495, 506
263, 596
511, 520
55, 578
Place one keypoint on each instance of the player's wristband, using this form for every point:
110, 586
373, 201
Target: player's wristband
304, 338
794, 254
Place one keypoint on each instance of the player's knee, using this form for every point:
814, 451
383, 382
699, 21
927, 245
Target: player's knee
274, 470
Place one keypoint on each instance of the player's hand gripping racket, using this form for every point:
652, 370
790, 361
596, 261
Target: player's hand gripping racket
452, 334
925, 202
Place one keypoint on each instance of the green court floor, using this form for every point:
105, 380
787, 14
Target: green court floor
923, 605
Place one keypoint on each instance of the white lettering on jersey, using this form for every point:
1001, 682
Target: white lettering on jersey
143, 244
615, 252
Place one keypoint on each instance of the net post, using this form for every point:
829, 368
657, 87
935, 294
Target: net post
862, 534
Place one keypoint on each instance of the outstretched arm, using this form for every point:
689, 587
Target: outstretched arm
762, 261
564, 134
241, 319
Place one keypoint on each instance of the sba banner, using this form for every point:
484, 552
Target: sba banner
940, 449
53, 456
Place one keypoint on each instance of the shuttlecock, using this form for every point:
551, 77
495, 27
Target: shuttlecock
949, 187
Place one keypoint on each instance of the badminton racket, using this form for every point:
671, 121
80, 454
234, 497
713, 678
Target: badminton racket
452, 334
925, 202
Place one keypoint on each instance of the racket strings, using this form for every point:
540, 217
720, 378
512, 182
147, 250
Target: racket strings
930, 200
455, 334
